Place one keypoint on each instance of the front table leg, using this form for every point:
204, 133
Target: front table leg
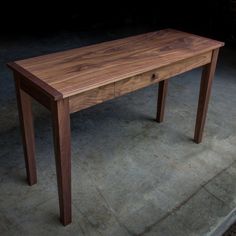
61, 134
204, 95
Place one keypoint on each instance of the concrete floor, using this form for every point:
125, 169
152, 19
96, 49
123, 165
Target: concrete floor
130, 175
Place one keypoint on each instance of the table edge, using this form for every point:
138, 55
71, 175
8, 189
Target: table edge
40, 84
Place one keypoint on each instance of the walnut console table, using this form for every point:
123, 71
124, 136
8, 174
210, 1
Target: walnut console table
69, 81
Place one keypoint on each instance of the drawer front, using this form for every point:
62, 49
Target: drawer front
92, 97
155, 76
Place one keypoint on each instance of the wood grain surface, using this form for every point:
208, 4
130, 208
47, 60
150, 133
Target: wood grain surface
91, 98
119, 88
151, 77
78, 70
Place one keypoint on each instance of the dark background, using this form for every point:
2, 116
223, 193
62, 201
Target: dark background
213, 18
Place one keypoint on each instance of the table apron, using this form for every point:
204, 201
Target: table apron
37, 94
119, 88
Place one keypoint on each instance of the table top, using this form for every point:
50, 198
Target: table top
78, 70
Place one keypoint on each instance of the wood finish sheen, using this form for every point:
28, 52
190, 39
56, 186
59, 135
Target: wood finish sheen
79, 70
119, 88
154, 76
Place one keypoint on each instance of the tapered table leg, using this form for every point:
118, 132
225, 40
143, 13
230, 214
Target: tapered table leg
61, 133
27, 130
162, 91
204, 95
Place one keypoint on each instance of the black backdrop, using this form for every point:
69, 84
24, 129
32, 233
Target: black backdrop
209, 17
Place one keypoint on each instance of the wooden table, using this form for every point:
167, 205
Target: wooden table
69, 81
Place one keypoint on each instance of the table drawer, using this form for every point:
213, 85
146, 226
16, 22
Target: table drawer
155, 76
92, 97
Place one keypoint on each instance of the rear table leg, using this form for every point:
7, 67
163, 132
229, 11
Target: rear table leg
27, 130
162, 91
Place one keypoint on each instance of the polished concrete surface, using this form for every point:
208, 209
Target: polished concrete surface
130, 175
